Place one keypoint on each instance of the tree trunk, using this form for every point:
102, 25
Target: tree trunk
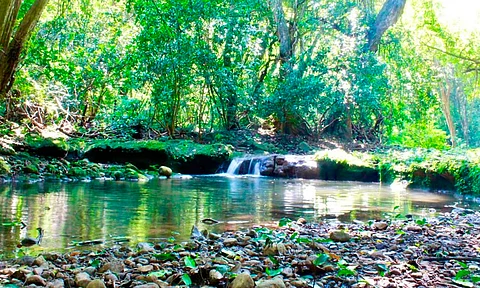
11, 44
446, 91
387, 17
284, 37
230, 83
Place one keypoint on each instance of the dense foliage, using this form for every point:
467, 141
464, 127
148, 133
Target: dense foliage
139, 69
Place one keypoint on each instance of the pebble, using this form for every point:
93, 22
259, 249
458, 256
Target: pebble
243, 280
230, 242
276, 282
339, 236
82, 279
381, 225
145, 269
97, 283
115, 266
35, 280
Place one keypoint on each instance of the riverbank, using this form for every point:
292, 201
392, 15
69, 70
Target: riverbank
397, 252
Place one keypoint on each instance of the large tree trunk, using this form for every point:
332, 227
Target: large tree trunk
284, 37
11, 44
387, 17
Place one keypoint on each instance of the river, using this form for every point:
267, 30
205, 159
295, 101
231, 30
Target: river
163, 209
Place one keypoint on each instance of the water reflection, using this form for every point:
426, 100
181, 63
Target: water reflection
152, 210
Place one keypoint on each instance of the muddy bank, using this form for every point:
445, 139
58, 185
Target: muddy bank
396, 252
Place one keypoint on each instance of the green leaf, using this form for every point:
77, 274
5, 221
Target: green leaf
274, 272
321, 259
400, 232
462, 264
413, 268
165, 256
303, 240
323, 240
396, 207
346, 272
294, 235
462, 274
95, 263
421, 222
158, 274
190, 262
284, 222
274, 261
186, 279
475, 278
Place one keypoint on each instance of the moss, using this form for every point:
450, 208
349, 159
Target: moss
5, 168
47, 146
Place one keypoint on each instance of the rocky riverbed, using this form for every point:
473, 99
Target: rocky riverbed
397, 252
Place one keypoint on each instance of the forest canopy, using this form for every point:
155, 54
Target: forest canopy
391, 72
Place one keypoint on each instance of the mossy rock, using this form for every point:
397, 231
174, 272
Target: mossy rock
47, 146
165, 171
77, 172
343, 166
5, 168
31, 169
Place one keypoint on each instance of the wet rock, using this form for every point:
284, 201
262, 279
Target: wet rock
90, 270
35, 280
82, 279
148, 285
57, 283
339, 236
146, 247
276, 282
26, 261
243, 280
381, 225
97, 283
299, 283
230, 242
40, 261
115, 266
413, 228
214, 276
301, 221
145, 269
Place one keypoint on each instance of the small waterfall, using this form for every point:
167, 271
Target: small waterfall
245, 166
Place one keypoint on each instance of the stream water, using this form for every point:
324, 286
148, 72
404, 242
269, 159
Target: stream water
150, 211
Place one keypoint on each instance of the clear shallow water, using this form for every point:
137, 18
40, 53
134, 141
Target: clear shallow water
162, 208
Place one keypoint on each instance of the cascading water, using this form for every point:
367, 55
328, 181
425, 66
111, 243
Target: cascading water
245, 166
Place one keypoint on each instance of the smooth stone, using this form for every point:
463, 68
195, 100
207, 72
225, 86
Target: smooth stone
413, 228
243, 280
230, 241
145, 269
276, 282
35, 280
57, 283
97, 283
39, 261
114, 266
82, 279
380, 225
301, 221
147, 247
148, 285
339, 236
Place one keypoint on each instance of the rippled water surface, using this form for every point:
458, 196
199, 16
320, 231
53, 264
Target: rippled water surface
72, 212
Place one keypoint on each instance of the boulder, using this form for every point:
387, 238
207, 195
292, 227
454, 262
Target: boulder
165, 171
